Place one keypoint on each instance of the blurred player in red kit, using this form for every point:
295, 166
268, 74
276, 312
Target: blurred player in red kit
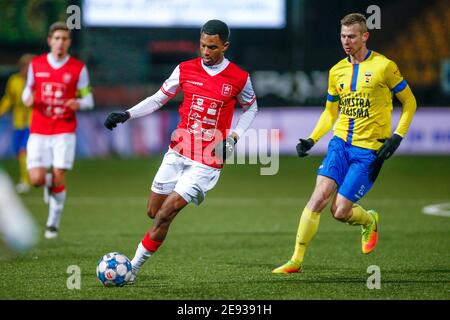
57, 86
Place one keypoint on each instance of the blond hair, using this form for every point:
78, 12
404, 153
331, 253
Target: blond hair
355, 18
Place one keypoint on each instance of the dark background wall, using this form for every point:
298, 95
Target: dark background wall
127, 64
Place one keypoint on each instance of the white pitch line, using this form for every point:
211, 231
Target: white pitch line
439, 209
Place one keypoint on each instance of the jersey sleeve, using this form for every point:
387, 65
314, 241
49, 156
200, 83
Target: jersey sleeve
86, 99
332, 93
247, 96
394, 78
83, 86
30, 77
171, 86
27, 94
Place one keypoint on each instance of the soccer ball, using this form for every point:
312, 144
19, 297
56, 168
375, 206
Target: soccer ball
114, 269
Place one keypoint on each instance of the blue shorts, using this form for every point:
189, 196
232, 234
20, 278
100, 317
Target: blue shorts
348, 166
20, 139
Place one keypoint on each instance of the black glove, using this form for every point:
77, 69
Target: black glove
303, 146
385, 152
389, 146
225, 148
116, 117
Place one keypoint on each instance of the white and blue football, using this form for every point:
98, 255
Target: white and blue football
114, 269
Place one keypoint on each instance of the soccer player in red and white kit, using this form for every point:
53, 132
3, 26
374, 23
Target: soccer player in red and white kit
57, 86
199, 146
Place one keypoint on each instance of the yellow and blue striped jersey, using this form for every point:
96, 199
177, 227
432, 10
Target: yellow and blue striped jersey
13, 100
365, 93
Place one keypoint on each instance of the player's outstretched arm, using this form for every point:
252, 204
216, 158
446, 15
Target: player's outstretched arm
325, 123
143, 108
167, 91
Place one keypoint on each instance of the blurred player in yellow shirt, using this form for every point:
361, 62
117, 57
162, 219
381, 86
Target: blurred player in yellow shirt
359, 104
12, 100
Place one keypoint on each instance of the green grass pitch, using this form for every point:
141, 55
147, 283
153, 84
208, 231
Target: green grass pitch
227, 247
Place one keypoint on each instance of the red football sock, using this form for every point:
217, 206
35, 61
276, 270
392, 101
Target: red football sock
58, 189
150, 244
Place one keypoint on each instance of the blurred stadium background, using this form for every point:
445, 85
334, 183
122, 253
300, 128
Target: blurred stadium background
132, 46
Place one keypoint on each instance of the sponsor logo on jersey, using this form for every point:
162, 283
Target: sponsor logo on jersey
197, 108
42, 74
204, 116
195, 115
227, 89
197, 104
211, 112
53, 95
209, 121
197, 83
355, 105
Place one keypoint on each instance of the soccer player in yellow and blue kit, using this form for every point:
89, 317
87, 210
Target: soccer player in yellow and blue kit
12, 100
360, 90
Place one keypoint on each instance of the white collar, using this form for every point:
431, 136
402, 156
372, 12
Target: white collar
217, 68
55, 63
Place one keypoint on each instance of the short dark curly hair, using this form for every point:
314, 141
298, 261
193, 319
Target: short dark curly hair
218, 27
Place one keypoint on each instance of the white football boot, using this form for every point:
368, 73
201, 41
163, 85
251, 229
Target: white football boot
51, 233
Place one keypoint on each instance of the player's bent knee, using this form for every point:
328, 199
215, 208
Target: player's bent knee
37, 180
318, 202
339, 213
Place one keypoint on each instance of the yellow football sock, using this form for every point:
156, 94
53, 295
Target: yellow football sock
309, 223
359, 216
23, 168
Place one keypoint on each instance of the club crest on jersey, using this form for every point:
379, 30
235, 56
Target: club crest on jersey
67, 77
227, 89
341, 87
368, 77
